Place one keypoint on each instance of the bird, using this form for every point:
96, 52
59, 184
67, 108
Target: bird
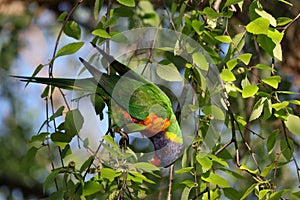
137, 104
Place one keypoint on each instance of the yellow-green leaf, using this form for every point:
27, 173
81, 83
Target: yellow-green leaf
223, 38
272, 81
245, 58
215, 111
249, 91
69, 49
244, 167
184, 170
281, 105
214, 179
101, 33
267, 16
227, 75
204, 161
281, 21
258, 26
72, 29
200, 61
257, 109
232, 63
168, 72
129, 3
91, 187
293, 124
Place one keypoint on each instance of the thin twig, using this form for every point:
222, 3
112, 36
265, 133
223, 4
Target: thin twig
293, 21
171, 172
48, 143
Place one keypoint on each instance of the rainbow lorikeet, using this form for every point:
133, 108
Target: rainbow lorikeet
136, 103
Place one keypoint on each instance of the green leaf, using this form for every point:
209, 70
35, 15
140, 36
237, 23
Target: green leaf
231, 2
223, 38
109, 174
258, 26
272, 81
293, 124
249, 91
294, 101
144, 166
296, 194
39, 138
277, 52
279, 106
218, 160
184, 170
200, 61
138, 177
244, 167
281, 21
232, 193
286, 2
227, 75
215, 111
28, 159
245, 82
124, 12
69, 49
204, 161
72, 29
238, 42
266, 171
66, 151
231, 63
267, 16
101, 33
249, 191
97, 7
91, 187
61, 139
119, 37
234, 174
98, 104
50, 179
263, 67
188, 183
185, 193
86, 164
266, 43
45, 92
210, 13
36, 71
262, 193
267, 109
168, 71
129, 3
62, 16
288, 92
214, 179
287, 149
73, 122
245, 58
110, 140
257, 109
275, 35
277, 195
58, 113
198, 26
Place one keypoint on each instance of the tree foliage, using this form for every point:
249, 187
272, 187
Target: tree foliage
254, 153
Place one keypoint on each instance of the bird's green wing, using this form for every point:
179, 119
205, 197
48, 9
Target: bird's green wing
63, 83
